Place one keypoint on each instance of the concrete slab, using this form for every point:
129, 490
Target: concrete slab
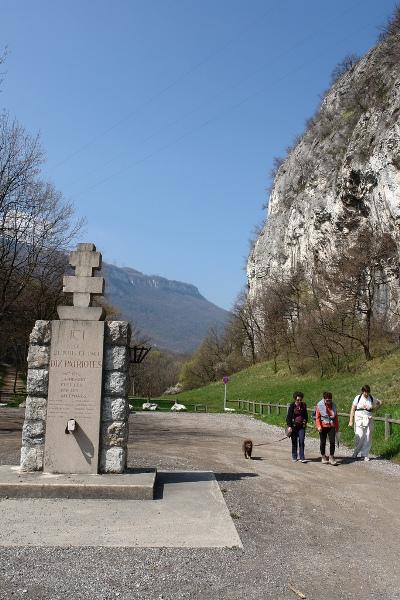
189, 511
133, 485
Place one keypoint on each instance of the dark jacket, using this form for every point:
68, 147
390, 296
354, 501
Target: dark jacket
290, 414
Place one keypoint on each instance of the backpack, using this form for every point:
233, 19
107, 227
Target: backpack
314, 412
372, 403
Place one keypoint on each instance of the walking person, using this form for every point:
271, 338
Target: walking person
327, 423
296, 421
361, 416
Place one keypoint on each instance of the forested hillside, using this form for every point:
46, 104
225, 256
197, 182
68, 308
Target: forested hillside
172, 314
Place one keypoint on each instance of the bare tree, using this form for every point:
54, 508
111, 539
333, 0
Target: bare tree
359, 288
345, 65
36, 229
36, 224
245, 321
3, 56
159, 371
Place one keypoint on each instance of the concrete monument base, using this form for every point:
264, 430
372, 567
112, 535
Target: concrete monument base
188, 512
131, 485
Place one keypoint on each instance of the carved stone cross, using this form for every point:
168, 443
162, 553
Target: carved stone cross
83, 285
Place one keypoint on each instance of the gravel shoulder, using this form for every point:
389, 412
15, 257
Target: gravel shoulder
332, 532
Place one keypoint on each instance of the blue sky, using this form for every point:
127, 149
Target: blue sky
160, 119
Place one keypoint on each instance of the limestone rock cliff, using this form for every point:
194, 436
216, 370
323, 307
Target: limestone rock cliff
342, 175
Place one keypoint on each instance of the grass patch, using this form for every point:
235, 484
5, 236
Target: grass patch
234, 515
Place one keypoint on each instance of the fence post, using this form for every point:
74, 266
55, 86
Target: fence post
261, 409
278, 409
269, 408
388, 427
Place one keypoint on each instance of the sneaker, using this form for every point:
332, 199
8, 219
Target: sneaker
332, 461
354, 456
324, 460
366, 457
303, 460
294, 459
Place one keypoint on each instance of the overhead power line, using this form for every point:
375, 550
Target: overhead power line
237, 84
164, 90
222, 113
205, 123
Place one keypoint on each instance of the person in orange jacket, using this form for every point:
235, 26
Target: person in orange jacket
327, 423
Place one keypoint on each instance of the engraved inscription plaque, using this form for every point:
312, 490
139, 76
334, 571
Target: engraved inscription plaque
75, 379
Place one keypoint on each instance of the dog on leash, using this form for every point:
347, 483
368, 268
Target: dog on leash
247, 448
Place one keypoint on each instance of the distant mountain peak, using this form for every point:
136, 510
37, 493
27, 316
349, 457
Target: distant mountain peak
172, 313
156, 281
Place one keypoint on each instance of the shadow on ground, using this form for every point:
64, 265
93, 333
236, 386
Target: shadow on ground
165, 478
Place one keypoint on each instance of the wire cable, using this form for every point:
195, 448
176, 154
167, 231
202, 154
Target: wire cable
205, 123
237, 84
164, 90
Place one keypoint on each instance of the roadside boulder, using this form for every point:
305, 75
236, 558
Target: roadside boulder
149, 406
178, 407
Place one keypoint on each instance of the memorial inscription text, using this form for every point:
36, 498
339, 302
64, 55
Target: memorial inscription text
75, 378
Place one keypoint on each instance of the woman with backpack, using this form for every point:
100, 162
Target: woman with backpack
361, 416
327, 423
296, 421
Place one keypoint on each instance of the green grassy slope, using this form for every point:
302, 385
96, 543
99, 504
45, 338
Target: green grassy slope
261, 383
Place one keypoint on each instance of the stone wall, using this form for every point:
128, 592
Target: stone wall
34, 429
115, 406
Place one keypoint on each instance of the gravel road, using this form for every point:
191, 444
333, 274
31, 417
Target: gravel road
330, 532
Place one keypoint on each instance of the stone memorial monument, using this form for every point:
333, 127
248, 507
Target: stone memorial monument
76, 418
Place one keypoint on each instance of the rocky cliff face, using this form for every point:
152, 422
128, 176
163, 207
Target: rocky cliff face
343, 174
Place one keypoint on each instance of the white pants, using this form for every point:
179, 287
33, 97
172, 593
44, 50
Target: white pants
363, 428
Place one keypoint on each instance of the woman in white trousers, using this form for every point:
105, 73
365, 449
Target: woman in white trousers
361, 416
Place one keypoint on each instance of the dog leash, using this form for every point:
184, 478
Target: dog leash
274, 442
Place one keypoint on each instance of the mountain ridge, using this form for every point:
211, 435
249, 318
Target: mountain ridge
173, 314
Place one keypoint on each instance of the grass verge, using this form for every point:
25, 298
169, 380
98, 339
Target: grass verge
260, 382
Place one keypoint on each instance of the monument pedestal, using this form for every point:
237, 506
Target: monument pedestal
131, 485
66, 382
76, 418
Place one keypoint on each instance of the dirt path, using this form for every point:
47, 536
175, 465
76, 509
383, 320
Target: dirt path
338, 519
330, 531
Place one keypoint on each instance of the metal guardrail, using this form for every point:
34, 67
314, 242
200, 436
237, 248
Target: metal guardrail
251, 406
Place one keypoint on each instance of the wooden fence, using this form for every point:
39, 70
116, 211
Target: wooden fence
268, 408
